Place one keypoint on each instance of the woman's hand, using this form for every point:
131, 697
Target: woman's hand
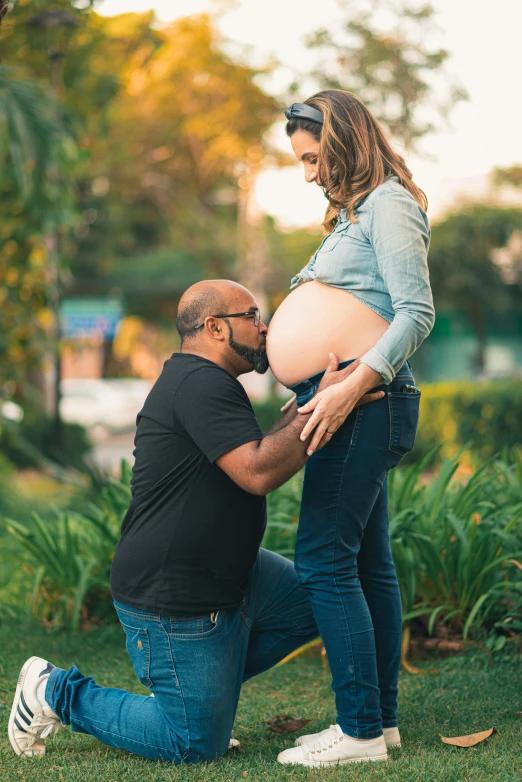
331, 407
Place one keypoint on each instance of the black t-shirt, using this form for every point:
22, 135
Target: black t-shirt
191, 535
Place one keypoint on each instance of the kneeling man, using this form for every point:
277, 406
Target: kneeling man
202, 607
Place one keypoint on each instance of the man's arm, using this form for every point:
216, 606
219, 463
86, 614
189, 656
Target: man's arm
261, 466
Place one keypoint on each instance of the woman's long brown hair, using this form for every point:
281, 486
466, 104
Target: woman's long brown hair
355, 156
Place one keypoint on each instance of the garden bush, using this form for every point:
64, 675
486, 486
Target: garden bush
32, 442
69, 555
457, 547
485, 416
268, 411
457, 543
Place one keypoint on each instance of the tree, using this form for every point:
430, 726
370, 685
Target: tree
163, 118
380, 54
512, 175
34, 143
35, 152
463, 271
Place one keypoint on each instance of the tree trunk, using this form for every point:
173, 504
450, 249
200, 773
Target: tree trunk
476, 315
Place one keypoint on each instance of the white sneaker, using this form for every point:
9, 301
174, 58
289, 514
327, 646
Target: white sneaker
333, 747
391, 737
30, 723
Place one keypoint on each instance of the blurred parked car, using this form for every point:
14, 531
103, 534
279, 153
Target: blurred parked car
103, 407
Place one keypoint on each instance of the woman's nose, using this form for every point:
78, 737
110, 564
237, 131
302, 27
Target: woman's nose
310, 176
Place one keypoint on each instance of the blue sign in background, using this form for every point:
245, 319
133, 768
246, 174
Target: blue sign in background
90, 317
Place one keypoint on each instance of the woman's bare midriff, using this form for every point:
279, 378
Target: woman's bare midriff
314, 320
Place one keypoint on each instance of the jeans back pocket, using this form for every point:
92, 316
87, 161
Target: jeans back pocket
404, 420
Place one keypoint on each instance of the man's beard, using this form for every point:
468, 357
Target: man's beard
256, 357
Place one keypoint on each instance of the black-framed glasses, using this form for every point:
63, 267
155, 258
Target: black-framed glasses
254, 314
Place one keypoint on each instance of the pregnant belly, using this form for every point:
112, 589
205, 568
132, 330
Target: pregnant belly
314, 320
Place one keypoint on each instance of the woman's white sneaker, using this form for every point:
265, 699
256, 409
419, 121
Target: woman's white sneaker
310, 737
391, 737
333, 747
30, 722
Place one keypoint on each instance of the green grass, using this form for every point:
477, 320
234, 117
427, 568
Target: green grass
465, 695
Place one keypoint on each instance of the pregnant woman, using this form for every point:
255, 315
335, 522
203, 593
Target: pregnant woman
364, 296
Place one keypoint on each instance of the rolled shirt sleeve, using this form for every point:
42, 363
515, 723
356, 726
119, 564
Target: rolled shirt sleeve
399, 234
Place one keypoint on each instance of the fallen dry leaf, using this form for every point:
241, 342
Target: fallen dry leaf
470, 740
412, 668
405, 648
285, 723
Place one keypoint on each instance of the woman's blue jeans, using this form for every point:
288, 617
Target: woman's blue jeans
343, 555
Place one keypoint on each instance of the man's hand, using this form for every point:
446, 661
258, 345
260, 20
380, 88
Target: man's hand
288, 405
333, 375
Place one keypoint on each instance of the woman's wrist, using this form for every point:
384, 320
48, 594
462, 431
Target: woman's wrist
362, 380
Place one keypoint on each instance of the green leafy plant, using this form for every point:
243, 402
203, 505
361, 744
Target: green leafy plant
456, 540
456, 544
69, 556
55, 552
283, 516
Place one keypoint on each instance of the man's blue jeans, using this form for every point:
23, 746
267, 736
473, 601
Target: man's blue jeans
343, 556
194, 667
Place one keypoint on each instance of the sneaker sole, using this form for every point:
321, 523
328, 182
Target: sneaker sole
16, 701
298, 743
318, 764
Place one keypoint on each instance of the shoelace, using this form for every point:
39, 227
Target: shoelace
41, 727
327, 741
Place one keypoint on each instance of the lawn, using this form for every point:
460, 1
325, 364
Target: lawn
458, 695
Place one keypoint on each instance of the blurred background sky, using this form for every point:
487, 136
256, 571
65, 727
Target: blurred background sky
484, 132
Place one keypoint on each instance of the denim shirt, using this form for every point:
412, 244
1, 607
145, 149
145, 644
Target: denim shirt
382, 261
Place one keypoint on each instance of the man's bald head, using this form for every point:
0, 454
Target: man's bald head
238, 348
205, 299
